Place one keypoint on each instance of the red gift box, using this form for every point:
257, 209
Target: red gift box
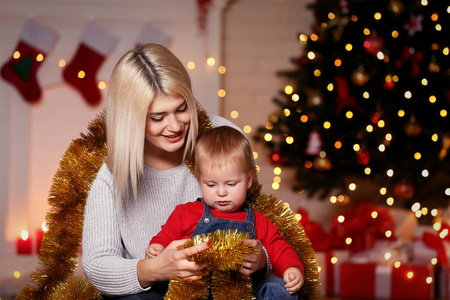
444, 283
371, 280
329, 262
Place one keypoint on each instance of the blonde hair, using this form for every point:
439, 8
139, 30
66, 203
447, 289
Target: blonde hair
222, 145
138, 78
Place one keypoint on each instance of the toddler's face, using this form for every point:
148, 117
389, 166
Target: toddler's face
224, 189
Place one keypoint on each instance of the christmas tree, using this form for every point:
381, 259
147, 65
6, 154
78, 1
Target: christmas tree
368, 100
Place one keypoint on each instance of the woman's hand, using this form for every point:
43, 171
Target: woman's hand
171, 263
255, 261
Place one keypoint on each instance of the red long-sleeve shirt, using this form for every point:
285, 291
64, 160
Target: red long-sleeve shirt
182, 222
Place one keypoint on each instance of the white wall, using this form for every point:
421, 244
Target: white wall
34, 137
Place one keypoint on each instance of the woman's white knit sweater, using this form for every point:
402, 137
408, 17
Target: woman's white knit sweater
115, 238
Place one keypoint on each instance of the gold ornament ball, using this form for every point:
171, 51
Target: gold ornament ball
322, 163
359, 76
396, 7
413, 128
314, 98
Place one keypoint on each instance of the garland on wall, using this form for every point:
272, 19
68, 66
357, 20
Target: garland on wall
58, 258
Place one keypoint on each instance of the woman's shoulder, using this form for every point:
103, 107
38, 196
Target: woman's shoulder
104, 174
218, 121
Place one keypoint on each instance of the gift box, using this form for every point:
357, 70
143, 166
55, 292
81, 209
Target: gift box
444, 283
385, 281
329, 262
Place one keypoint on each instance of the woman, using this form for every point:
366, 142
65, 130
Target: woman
152, 126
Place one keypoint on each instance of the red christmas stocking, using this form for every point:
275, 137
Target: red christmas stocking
81, 72
31, 50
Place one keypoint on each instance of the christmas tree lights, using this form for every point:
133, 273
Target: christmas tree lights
368, 100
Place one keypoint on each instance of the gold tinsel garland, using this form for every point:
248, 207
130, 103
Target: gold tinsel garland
223, 260
58, 257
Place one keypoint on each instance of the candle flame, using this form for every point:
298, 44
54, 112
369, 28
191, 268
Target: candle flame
24, 235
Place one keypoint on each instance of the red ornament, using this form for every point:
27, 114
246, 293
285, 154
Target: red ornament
373, 44
363, 158
275, 158
344, 99
404, 190
388, 85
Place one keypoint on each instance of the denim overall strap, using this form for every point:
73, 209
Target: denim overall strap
208, 223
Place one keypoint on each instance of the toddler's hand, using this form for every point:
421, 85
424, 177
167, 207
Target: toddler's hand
294, 279
153, 250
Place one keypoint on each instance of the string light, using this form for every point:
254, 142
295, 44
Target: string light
390, 201
211, 61
383, 191
341, 219
333, 199
277, 171
102, 85
330, 87
267, 137
191, 65
247, 129
17, 274
81, 74
288, 89
40, 57
234, 114
311, 55
221, 93
275, 185
222, 70
303, 38
16, 55
255, 155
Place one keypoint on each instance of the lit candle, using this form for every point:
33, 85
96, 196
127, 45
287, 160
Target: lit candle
40, 235
24, 243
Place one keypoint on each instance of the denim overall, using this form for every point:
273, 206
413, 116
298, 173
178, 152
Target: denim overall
208, 223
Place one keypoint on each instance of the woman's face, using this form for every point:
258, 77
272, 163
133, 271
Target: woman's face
167, 124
